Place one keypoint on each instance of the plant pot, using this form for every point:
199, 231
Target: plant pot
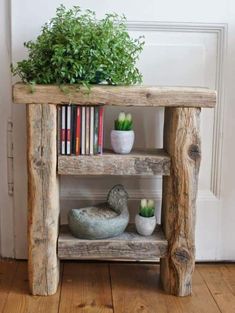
122, 141
145, 225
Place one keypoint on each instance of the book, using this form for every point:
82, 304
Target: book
83, 131
100, 130
78, 131
87, 136
96, 127
58, 134
73, 128
63, 130
68, 131
91, 131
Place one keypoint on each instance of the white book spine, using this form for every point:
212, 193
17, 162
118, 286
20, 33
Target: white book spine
83, 131
63, 129
69, 130
92, 130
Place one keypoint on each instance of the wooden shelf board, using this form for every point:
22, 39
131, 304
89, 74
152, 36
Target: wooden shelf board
129, 246
139, 162
152, 96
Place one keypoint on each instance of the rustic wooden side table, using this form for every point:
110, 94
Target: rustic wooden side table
178, 162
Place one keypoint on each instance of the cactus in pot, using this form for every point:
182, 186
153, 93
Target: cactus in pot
122, 137
145, 220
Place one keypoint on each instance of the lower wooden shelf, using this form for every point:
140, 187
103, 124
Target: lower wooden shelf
129, 246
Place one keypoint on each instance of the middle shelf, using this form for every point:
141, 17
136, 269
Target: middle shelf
139, 162
128, 246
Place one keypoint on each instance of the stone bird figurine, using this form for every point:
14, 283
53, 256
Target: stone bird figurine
105, 220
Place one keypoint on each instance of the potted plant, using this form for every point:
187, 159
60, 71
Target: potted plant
145, 220
122, 136
74, 47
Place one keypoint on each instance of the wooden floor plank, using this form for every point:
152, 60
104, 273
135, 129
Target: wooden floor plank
136, 288
201, 300
221, 282
7, 272
230, 278
86, 288
19, 300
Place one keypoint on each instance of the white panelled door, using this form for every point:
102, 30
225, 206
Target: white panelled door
187, 43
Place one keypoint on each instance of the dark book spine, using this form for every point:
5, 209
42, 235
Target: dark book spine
73, 128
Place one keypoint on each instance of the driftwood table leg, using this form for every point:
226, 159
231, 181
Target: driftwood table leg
182, 142
43, 199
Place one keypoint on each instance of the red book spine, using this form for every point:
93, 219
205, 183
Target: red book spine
100, 130
78, 131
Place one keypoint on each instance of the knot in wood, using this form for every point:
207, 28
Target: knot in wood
148, 95
182, 255
39, 163
194, 152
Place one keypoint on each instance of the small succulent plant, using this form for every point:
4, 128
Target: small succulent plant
123, 122
147, 208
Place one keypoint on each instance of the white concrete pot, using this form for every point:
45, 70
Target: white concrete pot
122, 141
145, 225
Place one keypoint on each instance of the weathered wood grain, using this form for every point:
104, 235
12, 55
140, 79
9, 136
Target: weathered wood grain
151, 96
182, 161
149, 162
128, 246
43, 199
182, 142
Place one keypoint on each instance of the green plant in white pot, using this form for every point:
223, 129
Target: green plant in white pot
145, 220
123, 136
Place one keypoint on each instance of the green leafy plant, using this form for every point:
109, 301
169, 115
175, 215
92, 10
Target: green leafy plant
147, 208
76, 48
123, 122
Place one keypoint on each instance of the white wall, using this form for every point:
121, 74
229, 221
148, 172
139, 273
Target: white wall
185, 45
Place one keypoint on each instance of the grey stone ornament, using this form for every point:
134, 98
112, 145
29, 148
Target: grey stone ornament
105, 220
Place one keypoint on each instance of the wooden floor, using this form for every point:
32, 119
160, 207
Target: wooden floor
119, 288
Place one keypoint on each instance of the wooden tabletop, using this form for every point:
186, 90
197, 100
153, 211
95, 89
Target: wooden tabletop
142, 96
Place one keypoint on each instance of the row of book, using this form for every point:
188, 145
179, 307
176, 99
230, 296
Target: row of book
80, 129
